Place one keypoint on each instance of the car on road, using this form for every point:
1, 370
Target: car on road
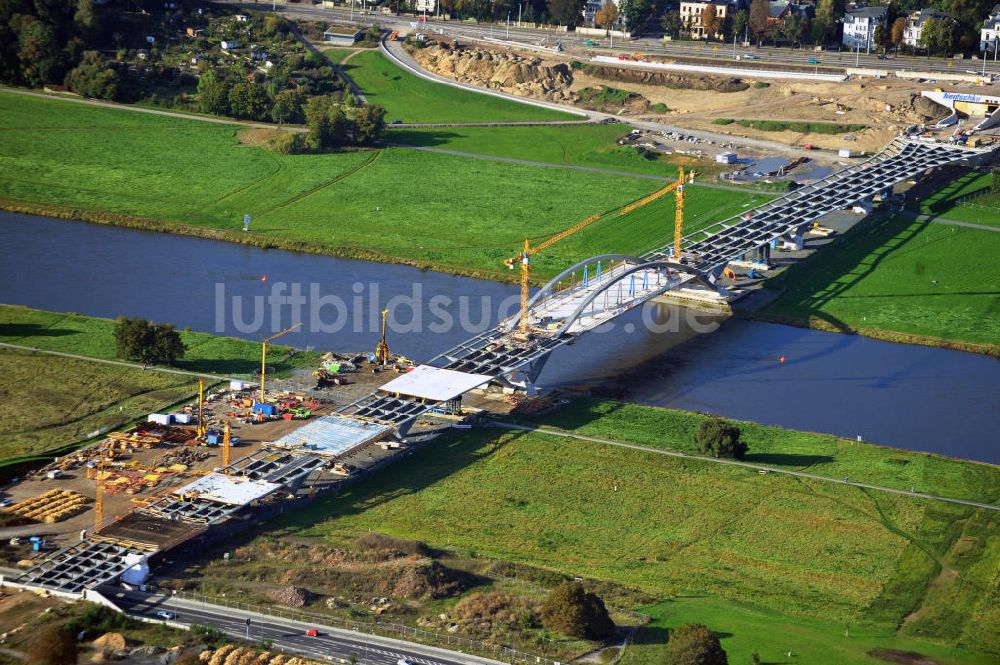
166, 615
404, 661
6, 502
750, 56
813, 61
590, 42
312, 632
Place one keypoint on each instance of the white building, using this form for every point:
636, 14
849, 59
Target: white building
860, 24
989, 36
692, 12
915, 25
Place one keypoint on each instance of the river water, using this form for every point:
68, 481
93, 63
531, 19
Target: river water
905, 396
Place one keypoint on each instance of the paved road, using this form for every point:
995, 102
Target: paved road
647, 44
746, 465
123, 363
289, 635
934, 219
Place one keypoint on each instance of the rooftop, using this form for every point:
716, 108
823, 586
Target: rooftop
229, 490
435, 384
331, 435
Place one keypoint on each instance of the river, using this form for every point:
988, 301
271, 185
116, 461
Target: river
911, 397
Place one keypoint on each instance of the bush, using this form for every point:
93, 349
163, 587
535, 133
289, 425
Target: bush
97, 620
290, 143
52, 645
572, 611
723, 121
377, 541
93, 78
719, 438
761, 84
694, 644
660, 107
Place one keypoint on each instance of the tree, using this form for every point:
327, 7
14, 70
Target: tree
694, 644
718, 438
566, 12
52, 645
606, 15
635, 12
711, 22
37, 52
829, 14
793, 29
317, 119
741, 20
213, 94
878, 36
84, 17
575, 612
672, 24
369, 124
93, 78
897, 30
758, 17
248, 99
287, 107
140, 339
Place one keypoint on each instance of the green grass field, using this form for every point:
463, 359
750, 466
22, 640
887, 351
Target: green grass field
980, 210
578, 145
48, 403
902, 276
410, 98
440, 211
91, 336
772, 563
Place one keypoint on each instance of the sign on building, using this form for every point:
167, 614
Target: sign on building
425, 6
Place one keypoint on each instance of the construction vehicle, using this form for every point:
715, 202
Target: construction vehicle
382, 349
525, 258
325, 378
263, 356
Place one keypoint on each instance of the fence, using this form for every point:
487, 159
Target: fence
497, 652
981, 199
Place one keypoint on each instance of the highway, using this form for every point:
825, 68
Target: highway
647, 44
289, 635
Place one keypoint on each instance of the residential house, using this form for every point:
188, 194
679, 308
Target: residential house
989, 36
860, 24
692, 12
915, 25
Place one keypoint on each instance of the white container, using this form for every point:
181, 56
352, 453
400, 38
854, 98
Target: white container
159, 418
181, 418
844, 152
237, 385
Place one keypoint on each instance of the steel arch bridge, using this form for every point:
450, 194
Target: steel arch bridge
603, 287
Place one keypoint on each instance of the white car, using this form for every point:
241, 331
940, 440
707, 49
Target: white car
404, 661
750, 56
165, 615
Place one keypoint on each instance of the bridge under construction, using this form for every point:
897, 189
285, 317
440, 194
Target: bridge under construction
511, 354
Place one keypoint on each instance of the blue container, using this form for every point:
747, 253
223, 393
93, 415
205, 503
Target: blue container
266, 409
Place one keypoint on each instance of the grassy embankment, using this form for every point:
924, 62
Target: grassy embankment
50, 403
410, 98
773, 563
900, 280
461, 215
983, 208
792, 126
578, 145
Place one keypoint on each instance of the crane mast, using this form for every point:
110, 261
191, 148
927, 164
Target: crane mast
263, 356
679, 215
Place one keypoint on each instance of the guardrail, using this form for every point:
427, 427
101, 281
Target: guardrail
381, 628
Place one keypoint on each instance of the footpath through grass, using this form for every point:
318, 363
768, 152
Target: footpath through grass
773, 563
94, 337
983, 208
409, 98
903, 280
436, 211
578, 145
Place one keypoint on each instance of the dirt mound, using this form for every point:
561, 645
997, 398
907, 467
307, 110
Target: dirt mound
904, 657
110, 642
396, 546
430, 580
291, 596
500, 70
679, 81
928, 109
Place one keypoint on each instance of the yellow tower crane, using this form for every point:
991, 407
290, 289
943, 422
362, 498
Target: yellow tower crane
382, 349
679, 215
202, 425
263, 356
529, 251
226, 442
99, 496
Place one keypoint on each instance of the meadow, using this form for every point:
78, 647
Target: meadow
460, 214
901, 279
94, 337
577, 145
773, 563
983, 208
409, 98
49, 403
